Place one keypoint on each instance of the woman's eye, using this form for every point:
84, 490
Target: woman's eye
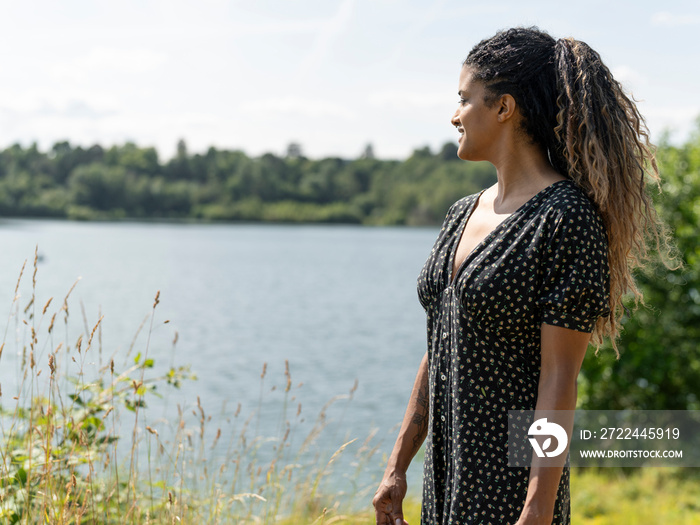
462, 101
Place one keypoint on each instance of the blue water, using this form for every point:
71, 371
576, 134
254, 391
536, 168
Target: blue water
338, 302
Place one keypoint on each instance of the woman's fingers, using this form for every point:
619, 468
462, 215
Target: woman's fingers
380, 505
382, 518
388, 502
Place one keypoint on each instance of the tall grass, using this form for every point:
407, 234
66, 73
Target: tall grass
77, 445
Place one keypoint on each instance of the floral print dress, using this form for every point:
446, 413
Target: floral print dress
545, 263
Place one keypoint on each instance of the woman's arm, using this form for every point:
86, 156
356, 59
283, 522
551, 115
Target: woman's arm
392, 490
562, 354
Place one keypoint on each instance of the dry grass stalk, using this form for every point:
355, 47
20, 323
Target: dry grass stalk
268, 470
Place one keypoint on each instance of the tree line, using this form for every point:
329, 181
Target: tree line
127, 181
660, 363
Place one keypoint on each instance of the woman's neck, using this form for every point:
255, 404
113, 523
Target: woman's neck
522, 172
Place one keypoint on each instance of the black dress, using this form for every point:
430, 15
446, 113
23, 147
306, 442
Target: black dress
546, 263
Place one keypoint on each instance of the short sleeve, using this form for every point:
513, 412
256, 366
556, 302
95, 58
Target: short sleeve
574, 290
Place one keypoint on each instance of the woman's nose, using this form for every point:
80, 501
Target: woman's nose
455, 119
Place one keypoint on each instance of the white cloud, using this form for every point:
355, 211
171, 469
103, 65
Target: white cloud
407, 101
277, 27
107, 59
676, 115
54, 99
326, 36
664, 18
679, 120
628, 76
299, 106
160, 130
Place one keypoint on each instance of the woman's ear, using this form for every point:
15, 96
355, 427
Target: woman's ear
506, 107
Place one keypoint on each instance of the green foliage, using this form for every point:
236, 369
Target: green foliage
650, 496
130, 182
58, 450
59, 459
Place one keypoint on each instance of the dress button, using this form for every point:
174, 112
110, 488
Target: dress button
443, 377
444, 335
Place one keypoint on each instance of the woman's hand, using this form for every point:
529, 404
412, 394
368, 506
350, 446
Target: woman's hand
388, 499
392, 490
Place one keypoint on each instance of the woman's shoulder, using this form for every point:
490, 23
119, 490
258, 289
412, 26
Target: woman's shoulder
466, 201
456, 211
568, 206
461, 205
567, 199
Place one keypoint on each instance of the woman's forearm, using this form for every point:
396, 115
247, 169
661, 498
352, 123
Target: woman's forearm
414, 427
562, 352
555, 394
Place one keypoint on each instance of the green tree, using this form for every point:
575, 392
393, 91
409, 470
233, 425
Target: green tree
142, 161
180, 166
100, 187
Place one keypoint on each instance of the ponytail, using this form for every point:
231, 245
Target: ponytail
604, 143
593, 133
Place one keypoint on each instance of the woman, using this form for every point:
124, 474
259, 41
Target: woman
523, 275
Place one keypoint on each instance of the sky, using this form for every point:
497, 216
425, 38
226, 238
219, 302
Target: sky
331, 75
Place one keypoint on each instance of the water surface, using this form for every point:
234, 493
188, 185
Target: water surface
338, 302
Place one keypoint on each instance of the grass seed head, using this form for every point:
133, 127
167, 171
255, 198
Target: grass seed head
288, 375
92, 334
46, 306
21, 272
107, 412
36, 261
29, 305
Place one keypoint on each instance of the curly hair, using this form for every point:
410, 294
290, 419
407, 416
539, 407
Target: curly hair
592, 132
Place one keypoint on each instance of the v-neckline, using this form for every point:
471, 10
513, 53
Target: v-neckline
454, 273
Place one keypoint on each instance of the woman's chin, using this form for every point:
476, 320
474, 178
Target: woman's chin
462, 154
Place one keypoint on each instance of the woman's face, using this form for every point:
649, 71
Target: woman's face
476, 122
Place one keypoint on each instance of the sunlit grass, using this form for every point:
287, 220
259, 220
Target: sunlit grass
646, 496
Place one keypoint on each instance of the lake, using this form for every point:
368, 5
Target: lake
338, 302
